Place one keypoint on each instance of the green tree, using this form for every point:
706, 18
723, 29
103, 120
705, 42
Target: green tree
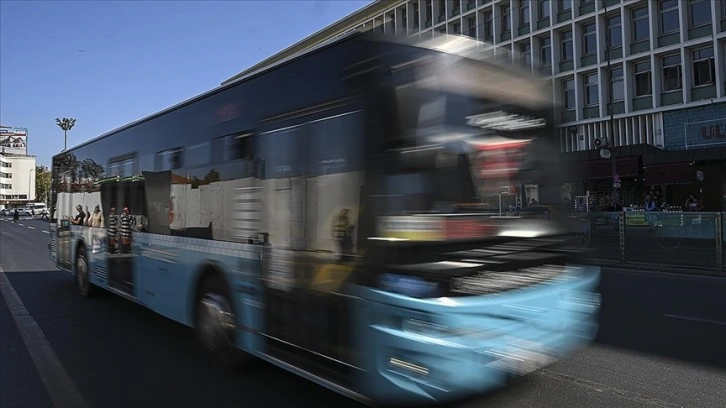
42, 184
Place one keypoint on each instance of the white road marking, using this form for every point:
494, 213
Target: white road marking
696, 319
62, 390
21, 224
46, 232
31, 227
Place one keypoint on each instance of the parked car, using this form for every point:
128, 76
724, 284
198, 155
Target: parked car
23, 212
6, 212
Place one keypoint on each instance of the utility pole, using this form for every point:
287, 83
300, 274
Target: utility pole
610, 139
66, 124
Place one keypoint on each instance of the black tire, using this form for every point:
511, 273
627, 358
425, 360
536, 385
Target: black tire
82, 275
215, 323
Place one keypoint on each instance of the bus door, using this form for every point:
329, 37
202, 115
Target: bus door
64, 209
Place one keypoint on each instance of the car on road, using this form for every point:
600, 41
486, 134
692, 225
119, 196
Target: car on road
6, 212
23, 212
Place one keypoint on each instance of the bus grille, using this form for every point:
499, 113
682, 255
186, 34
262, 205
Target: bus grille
100, 268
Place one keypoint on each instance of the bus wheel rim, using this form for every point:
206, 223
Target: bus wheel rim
82, 272
216, 322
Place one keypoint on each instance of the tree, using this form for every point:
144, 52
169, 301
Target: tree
42, 184
66, 124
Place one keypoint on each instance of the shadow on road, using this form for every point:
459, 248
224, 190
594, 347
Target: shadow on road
680, 316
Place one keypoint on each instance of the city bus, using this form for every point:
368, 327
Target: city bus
325, 214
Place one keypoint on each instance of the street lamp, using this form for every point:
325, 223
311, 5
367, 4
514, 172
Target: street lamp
66, 124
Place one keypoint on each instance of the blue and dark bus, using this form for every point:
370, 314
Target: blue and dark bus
326, 214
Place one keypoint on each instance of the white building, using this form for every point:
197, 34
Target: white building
17, 179
663, 60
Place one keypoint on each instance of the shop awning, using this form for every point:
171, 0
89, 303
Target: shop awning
670, 173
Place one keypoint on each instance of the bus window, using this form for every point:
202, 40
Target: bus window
169, 159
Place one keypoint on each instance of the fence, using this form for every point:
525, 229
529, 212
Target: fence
679, 239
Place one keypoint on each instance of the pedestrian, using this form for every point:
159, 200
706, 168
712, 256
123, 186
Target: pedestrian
15, 215
112, 230
126, 224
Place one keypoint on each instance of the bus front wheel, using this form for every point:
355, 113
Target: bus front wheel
81, 276
215, 323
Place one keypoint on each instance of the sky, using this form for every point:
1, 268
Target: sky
109, 63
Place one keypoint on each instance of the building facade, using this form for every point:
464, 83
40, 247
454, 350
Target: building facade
645, 77
17, 179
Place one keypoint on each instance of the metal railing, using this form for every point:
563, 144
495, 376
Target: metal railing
677, 239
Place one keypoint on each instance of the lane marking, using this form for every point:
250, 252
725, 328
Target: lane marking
696, 319
62, 390
31, 227
599, 387
22, 225
46, 232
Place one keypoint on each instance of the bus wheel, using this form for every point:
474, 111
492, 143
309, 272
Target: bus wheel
215, 323
83, 283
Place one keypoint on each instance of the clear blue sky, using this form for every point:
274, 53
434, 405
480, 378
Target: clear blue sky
108, 63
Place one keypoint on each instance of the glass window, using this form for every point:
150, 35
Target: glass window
488, 26
472, 27
566, 38
589, 39
703, 67
524, 12
168, 159
404, 18
457, 28
415, 15
616, 84
700, 11
565, 5
543, 9
671, 73
526, 50
545, 51
428, 11
505, 19
615, 37
126, 165
568, 94
641, 31
669, 16
642, 78
591, 90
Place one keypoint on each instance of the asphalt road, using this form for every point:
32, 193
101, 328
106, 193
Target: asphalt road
661, 343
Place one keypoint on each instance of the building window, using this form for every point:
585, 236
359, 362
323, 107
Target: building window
456, 28
524, 12
700, 11
6, 175
404, 19
565, 5
668, 16
415, 15
589, 39
169, 159
4, 164
428, 12
526, 50
642, 78
543, 9
566, 38
641, 31
591, 90
703, 67
671, 73
616, 84
8, 186
488, 26
614, 34
472, 27
568, 94
505, 19
545, 50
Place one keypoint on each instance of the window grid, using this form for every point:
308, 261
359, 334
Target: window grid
703, 67
524, 13
543, 9
589, 39
545, 51
668, 16
566, 40
591, 89
641, 31
642, 79
700, 12
672, 73
617, 85
614, 33
568, 94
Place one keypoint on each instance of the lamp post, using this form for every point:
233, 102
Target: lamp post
66, 124
610, 139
